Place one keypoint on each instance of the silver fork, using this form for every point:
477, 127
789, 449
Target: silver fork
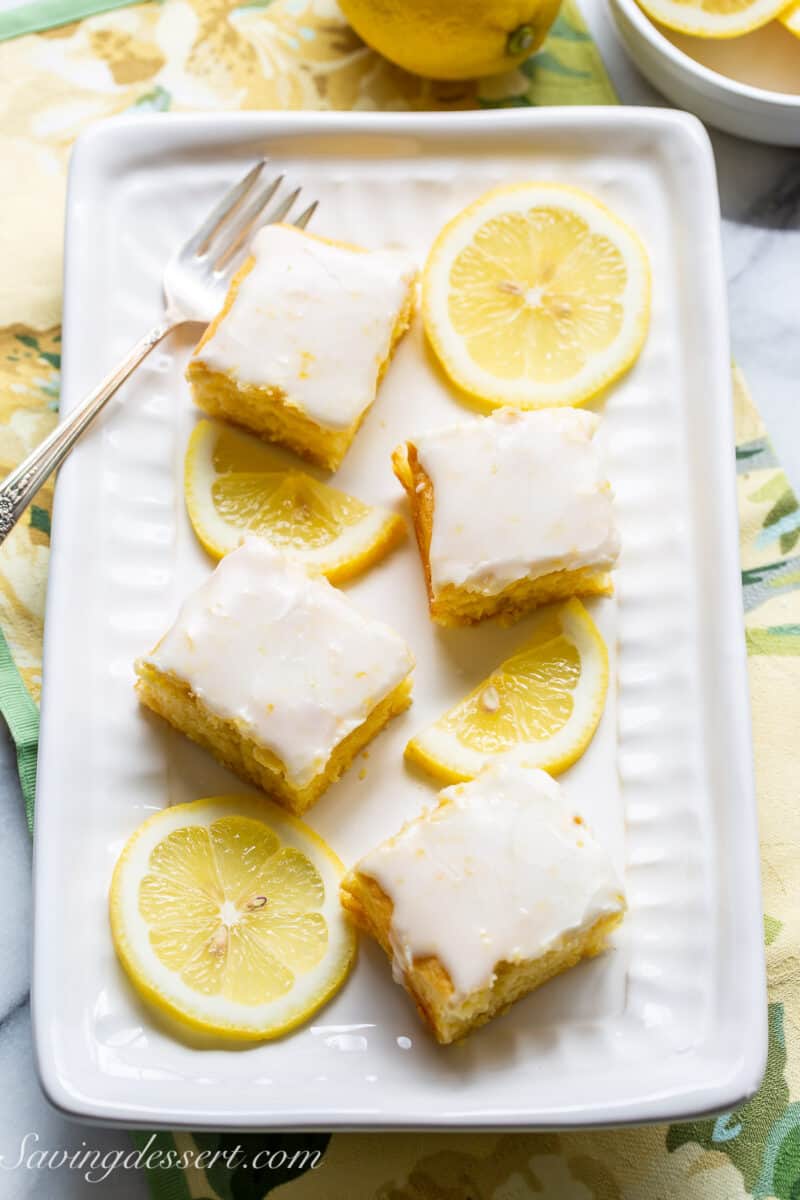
195, 281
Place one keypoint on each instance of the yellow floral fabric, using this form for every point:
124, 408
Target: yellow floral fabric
181, 55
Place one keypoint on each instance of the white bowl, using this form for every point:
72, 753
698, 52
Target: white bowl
732, 96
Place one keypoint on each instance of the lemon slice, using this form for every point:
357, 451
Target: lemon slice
225, 915
235, 484
547, 698
536, 295
790, 17
713, 18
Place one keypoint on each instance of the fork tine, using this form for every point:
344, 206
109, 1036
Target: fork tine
283, 208
244, 229
226, 245
198, 243
306, 215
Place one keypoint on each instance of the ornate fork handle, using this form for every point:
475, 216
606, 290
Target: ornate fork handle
18, 489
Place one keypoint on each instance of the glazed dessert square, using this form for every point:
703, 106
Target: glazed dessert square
510, 511
304, 337
486, 897
277, 674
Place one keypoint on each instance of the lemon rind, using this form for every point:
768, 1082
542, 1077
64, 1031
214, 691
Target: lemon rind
790, 18
717, 27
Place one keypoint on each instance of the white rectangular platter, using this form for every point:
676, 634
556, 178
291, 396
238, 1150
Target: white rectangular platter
670, 1022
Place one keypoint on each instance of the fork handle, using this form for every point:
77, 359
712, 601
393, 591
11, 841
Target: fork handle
18, 489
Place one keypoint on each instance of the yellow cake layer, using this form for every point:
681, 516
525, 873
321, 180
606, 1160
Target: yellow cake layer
429, 984
173, 700
267, 411
462, 606
454, 605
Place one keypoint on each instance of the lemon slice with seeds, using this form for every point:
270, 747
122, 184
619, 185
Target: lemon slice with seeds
236, 484
547, 698
225, 915
790, 17
713, 18
536, 295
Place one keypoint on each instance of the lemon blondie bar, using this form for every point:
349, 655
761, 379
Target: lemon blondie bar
276, 673
306, 332
510, 511
486, 897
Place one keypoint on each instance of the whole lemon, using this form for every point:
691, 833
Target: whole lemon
452, 39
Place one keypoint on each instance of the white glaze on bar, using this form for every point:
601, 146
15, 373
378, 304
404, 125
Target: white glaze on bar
314, 320
285, 655
517, 495
499, 872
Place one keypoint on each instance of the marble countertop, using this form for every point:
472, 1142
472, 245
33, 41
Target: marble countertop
760, 195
